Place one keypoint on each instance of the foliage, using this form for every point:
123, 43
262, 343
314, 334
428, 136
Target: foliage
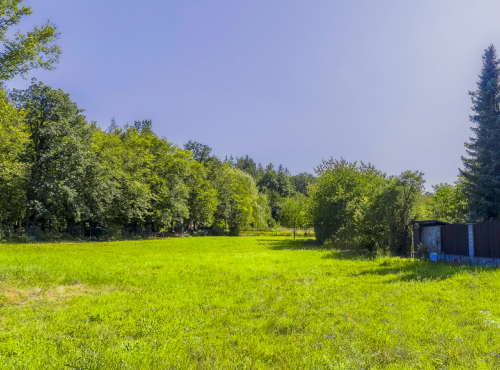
481, 171
360, 206
203, 200
261, 213
385, 224
336, 197
423, 251
150, 182
121, 193
65, 174
201, 152
240, 204
302, 181
57, 155
294, 213
448, 203
25, 51
276, 185
13, 140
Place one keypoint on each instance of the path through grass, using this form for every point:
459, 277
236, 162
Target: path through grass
253, 302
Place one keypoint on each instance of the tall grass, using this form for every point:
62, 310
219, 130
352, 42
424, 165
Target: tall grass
248, 302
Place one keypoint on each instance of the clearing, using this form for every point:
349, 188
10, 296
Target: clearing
247, 302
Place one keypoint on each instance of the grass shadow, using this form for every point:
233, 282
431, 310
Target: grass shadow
295, 245
348, 255
405, 269
417, 270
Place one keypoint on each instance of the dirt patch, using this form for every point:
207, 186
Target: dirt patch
10, 295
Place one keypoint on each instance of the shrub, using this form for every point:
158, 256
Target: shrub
364, 208
423, 251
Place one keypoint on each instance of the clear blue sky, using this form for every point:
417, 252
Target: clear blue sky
285, 81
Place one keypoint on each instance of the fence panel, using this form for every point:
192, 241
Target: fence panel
455, 239
487, 239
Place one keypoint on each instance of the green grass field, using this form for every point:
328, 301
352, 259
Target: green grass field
248, 302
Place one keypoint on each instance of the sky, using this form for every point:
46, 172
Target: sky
290, 82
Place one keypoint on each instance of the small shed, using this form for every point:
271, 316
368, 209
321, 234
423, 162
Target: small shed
428, 232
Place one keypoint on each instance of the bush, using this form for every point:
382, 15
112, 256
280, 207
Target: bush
217, 231
361, 207
200, 233
423, 251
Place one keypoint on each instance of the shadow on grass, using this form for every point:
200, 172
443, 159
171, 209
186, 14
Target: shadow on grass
348, 255
295, 245
421, 271
313, 245
403, 269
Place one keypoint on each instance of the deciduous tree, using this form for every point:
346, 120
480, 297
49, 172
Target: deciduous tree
57, 153
294, 213
25, 51
13, 169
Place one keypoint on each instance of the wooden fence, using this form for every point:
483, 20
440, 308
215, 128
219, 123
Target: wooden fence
487, 239
486, 236
455, 239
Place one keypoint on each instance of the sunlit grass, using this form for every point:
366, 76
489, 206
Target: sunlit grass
252, 302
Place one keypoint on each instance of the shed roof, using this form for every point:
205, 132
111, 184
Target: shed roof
430, 223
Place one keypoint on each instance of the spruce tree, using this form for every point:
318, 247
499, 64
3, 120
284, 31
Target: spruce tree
482, 166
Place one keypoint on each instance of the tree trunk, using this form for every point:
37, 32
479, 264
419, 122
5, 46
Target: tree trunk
27, 225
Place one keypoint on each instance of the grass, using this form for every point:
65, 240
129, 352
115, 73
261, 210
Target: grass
249, 302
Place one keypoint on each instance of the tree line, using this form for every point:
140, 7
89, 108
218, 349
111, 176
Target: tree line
60, 173
65, 173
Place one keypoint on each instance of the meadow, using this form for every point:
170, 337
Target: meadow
240, 302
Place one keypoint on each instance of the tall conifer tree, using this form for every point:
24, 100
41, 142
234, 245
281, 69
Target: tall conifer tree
482, 166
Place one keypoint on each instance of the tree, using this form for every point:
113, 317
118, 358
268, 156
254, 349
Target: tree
144, 126
336, 196
201, 152
294, 213
385, 213
24, 52
302, 181
117, 191
240, 203
482, 167
146, 183
247, 164
268, 185
359, 206
57, 152
20, 54
275, 185
13, 141
260, 171
409, 187
285, 188
202, 200
448, 203
261, 213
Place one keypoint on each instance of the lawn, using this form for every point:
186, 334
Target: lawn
247, 302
